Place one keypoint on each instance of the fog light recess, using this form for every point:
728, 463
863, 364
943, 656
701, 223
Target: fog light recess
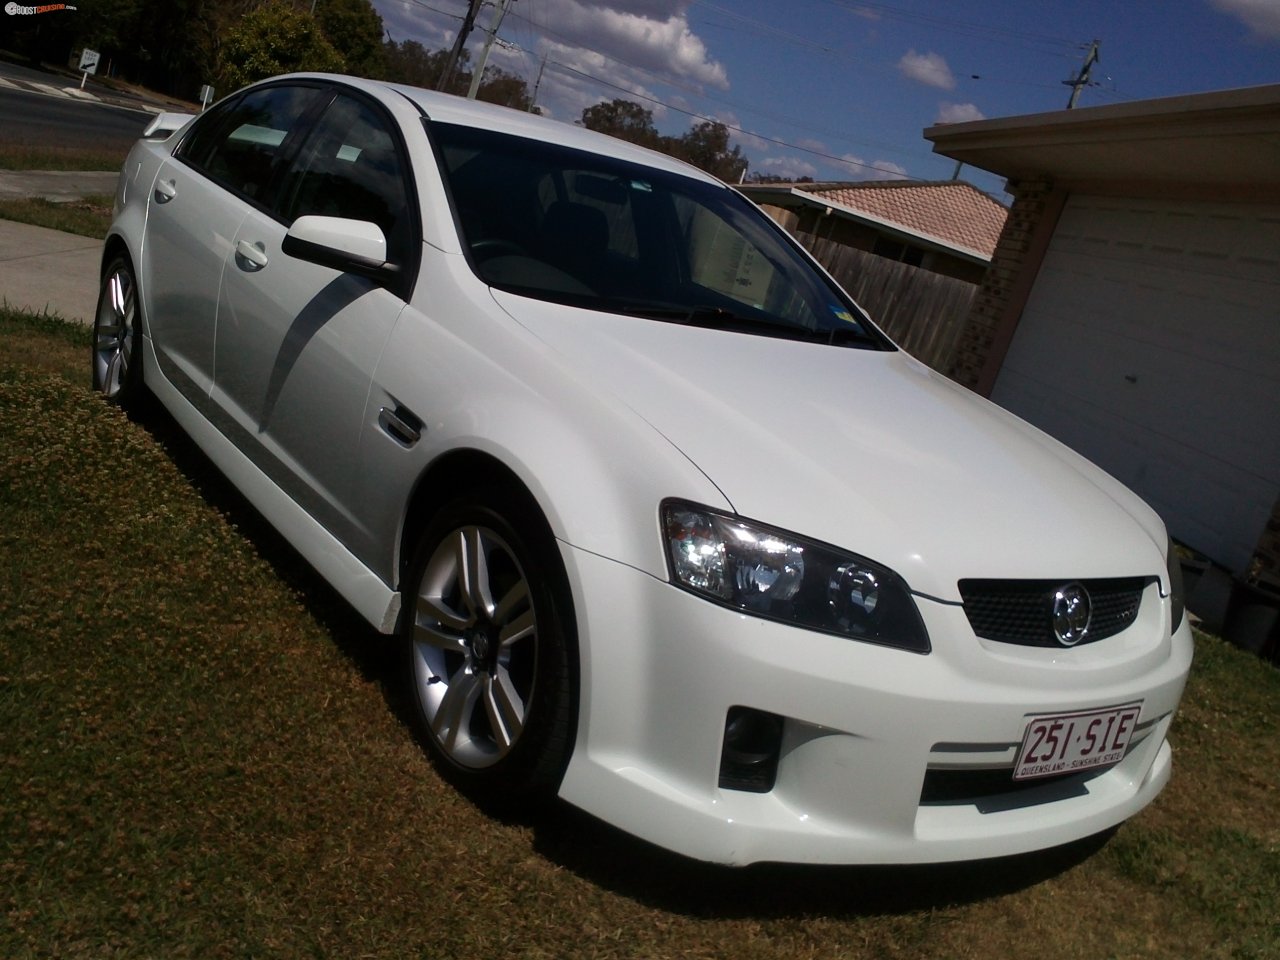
749, 754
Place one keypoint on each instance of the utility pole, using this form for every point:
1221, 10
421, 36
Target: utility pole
1082, 79
478, 73
451, 65
533, 99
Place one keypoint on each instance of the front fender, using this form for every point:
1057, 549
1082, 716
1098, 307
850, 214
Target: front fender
478, 381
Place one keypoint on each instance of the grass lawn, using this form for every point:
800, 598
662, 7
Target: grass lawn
203, 754
41, 157
89, 216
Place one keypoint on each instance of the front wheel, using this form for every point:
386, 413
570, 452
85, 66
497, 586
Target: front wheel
489, 637
117, 335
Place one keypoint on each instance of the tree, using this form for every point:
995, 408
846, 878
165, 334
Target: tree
625, 120
163, 44
411, 63
273, 39
354, 29
504, 88
706, 145
757, 176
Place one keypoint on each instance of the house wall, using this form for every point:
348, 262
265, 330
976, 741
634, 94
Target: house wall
1198, 287
989, 329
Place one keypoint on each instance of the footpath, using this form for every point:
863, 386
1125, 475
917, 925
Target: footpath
48, 270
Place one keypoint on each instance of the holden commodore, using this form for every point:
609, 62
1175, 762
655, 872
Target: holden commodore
664, 524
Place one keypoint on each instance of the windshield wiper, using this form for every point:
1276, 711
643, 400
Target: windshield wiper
718, 318
851, 337
714, 318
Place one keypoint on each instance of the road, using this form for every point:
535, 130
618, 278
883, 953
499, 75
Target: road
37, 119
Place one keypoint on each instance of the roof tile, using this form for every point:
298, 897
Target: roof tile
950, 210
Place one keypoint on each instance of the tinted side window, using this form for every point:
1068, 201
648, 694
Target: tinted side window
240, 149
351, 166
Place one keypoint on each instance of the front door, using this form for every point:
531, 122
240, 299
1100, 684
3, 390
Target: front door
297, 342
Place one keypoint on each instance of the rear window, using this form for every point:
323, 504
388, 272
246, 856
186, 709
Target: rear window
238, 144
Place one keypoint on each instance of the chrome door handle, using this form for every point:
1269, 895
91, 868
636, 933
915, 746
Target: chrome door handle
253, 255
166, 190
401, 425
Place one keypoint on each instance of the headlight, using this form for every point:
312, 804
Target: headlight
767, 572
1176, 597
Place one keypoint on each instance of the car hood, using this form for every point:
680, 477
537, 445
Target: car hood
867, 450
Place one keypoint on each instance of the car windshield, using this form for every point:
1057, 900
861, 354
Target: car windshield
574, 227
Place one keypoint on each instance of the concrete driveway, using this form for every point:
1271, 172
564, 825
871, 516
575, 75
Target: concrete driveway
47, 270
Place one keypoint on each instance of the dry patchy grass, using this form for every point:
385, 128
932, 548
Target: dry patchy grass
203, 754
24, 156
89, 216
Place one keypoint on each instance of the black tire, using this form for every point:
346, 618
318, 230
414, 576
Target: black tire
489, 639
117, 335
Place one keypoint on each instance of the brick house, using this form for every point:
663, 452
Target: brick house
946, 227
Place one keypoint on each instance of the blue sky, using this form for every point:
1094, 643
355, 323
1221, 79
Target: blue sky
841, 89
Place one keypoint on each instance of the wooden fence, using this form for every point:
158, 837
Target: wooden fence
922, 311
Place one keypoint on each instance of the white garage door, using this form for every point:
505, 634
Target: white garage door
1151, 344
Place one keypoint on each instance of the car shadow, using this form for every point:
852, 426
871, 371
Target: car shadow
351, 634
657, 878
590, 848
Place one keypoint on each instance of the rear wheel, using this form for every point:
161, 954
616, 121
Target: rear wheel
489, 636
117, 335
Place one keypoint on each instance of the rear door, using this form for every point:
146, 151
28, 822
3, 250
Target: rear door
219, 173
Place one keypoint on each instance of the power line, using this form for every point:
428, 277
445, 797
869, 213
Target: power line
978, 31
767, 29
729, 126
701, 93
704, 95
427, 6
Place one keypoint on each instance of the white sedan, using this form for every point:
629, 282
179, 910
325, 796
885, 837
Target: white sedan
666, 526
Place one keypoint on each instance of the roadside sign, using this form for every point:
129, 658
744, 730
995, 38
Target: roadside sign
89, 61
206, 94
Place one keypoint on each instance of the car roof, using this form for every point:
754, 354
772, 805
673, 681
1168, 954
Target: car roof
448, 108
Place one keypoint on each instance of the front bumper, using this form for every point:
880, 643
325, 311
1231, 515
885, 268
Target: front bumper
864, 728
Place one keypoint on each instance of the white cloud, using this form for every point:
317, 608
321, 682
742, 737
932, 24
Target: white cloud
927, 68
859, 169
791, 167
1260, 16
630, 45
567, 93
958, 113
402, 20
665, 46
653, 9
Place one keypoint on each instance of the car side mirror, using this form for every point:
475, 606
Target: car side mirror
352, 246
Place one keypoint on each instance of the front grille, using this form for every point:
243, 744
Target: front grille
1021, 611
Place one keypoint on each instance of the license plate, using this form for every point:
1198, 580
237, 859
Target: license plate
1066, 742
